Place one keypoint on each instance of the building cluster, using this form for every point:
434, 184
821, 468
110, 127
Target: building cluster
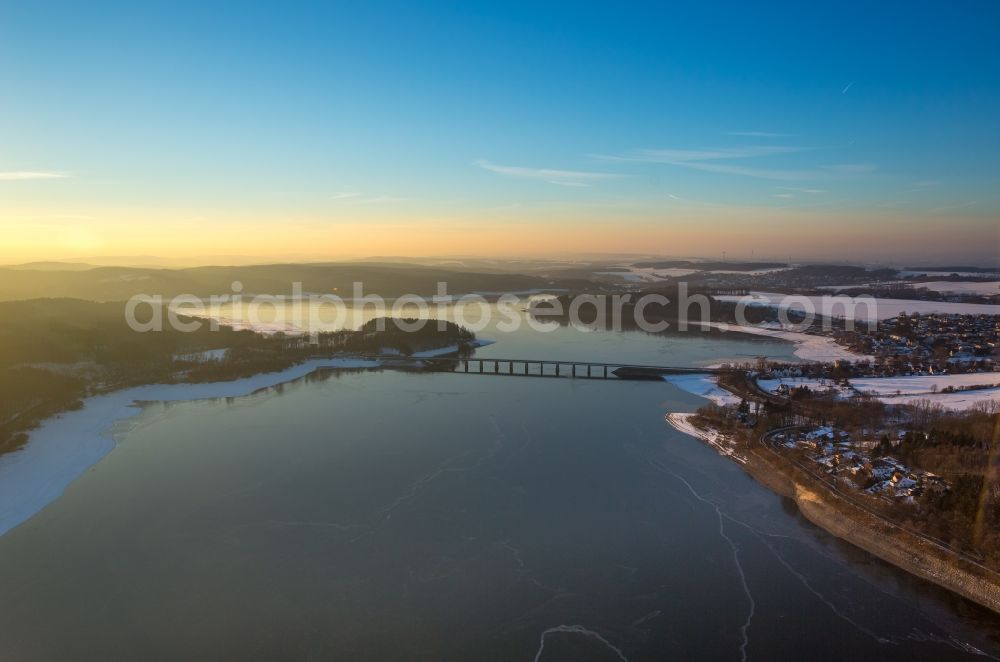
855, 462
931, 343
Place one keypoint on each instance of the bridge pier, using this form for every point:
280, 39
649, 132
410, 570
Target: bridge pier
480, 366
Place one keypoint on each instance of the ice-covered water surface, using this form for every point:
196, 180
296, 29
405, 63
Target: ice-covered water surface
67, 445
352, 515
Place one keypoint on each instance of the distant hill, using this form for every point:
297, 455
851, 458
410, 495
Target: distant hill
987, 270
120, 283
51, 266
159, 262
709, 266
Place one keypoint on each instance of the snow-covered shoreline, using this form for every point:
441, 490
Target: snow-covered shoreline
65, 446
706, 386
682, 423
703, 385
444, 351
808, 347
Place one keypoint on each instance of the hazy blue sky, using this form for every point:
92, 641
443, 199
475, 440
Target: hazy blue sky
604, 126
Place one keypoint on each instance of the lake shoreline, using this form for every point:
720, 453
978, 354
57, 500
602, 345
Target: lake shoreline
66, 445
842, 519
62, 447
879, 537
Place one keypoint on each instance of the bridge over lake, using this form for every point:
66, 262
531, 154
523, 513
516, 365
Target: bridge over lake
547, 367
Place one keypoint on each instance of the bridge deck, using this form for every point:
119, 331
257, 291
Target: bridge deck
537, 367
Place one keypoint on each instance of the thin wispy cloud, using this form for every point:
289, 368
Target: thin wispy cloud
714, 160
802, 190
560, 177
851, 168
24, 175
693, 202
344, 195
953, 207
687, 156
757, 173
759, 134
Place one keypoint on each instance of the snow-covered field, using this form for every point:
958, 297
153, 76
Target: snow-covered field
941, 286
926, 384
707, 386
755, 272
808, 347
959, 400
863, 308
906, 390
647, 274
892, 390
964, 274
962, 287
243, 324
652, 274
872, 284
65, 446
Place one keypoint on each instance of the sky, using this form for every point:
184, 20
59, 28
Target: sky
800, 130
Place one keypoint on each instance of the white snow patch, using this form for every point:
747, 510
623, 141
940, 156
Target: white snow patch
964, 274
754, 272
704, 385
960, 400
984, 288
962, 287
862, 308
926, 384
647, 274
451, 349
682, 423
809, 347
